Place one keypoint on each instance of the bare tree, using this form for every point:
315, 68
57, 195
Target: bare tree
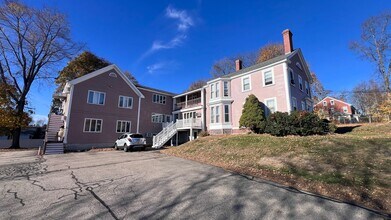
317, 89
375, 45
196, 85
227, 65
367, 96
31, 42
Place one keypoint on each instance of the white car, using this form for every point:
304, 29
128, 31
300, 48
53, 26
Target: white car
128, 141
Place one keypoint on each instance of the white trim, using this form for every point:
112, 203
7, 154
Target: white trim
68, 114
220, 126
220, 100
186, 93
263, 77
228, 88
101, 125
128, 97
138, 114
130, 127
187, 109
229, 114
290, 77
287, 87
302, 60
158, 98
249, 72
105, 70
303, 104
155, 91
94, 91
275, 104
242, 85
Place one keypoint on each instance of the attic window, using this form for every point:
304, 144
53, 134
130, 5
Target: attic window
299, 66
113, 75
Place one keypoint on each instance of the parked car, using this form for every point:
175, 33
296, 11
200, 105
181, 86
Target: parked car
129, 141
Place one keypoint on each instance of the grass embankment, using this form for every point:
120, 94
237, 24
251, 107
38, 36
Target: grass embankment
354, 166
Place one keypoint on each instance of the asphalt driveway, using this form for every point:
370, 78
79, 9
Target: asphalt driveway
147, 185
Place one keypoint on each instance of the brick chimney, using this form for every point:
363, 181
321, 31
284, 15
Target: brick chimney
288, 43
238, 64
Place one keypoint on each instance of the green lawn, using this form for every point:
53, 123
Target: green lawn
354, 166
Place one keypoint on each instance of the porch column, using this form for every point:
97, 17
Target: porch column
186, 101
176, 143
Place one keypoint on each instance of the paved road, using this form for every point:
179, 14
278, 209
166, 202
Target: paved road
147, 185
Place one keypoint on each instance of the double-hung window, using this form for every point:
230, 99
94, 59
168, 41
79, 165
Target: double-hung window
212, 91
292, 77
246, 83
96, 98
217, 85
212, 115
268, 78
303, 105
217, 114
324, 103
271, 106
160, 99
123, 126
92, 125
226, 89
125, 102
307, 88
294, 104
226, 113
300, 83
331, 102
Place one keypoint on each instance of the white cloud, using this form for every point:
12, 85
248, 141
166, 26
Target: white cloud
161, 66
184, 20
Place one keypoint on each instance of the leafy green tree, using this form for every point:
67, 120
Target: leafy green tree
83, 64
252, 115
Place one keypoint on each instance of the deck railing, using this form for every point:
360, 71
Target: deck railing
188, 104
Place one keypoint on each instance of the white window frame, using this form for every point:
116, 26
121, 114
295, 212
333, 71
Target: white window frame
324, 103
123, 122
227, 113
123, 102
303, 106
332, 102
160, 99
345, 109
217, 118
249, 80
263, 77
301, 87
294, 104
96, 125
98, 94
212, 92
267, 110
226, 88
217, 90
212, 114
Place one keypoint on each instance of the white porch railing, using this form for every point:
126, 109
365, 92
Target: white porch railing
189, 123
168, 132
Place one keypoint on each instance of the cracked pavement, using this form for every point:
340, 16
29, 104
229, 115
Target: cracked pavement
148, 185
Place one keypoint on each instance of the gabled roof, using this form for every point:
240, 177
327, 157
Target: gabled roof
257, 66
332, 99
155, 90
306, 70
104, 70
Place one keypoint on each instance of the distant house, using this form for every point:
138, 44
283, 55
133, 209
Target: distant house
335, 109
98, 107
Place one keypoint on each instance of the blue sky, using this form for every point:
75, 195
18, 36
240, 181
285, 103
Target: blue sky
169, 44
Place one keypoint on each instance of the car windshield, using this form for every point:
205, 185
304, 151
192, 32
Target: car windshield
136, 136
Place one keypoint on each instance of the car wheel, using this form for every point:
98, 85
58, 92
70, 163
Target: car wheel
125, 148
115, 146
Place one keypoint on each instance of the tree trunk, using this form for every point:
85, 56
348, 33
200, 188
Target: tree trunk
16, 132
15, 138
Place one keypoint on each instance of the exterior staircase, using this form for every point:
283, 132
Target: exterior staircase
165, 135
52, 145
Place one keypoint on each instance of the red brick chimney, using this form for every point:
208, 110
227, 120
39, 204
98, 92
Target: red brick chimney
288, 43
238, 64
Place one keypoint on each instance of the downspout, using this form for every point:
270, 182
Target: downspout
138, 114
